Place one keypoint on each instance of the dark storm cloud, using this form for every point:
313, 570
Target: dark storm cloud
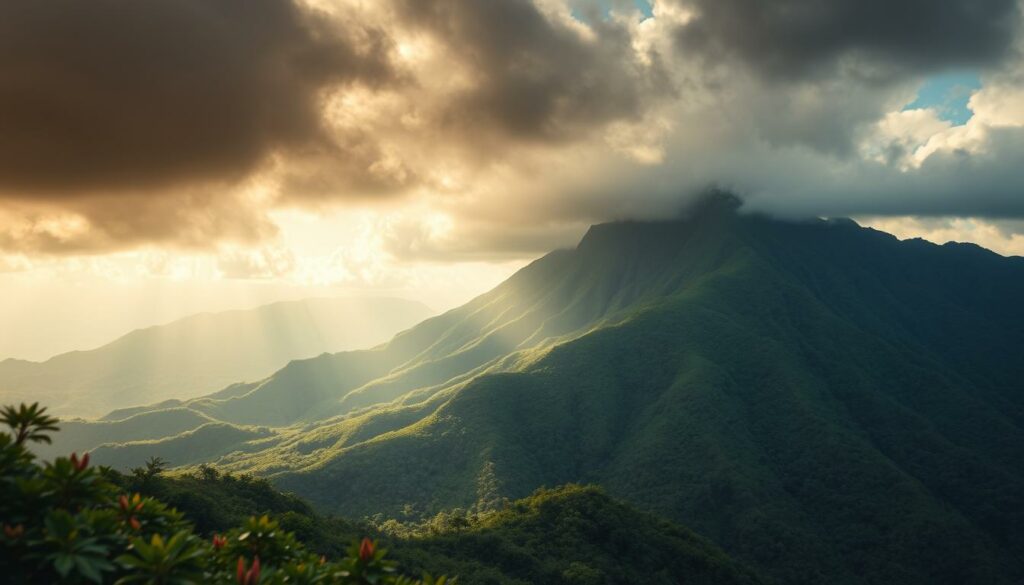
183, 123
790, 39
107, 96
106, 224
535, 78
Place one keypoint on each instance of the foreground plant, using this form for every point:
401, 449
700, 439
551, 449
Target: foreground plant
63, 522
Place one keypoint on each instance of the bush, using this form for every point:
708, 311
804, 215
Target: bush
65, 522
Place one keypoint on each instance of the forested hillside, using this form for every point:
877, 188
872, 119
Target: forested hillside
823, 401
568, 535
817, 398
69, 522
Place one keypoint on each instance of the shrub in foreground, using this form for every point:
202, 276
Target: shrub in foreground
63, 522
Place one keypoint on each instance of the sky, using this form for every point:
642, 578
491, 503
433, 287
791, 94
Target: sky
166, 157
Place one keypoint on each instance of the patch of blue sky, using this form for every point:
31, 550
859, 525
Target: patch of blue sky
644, 7
948, 94
604, 7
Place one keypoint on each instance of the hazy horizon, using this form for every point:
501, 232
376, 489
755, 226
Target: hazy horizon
88, 317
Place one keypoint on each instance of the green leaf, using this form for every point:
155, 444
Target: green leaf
63, 564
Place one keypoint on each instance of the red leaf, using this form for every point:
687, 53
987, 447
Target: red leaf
254, 573
366, 550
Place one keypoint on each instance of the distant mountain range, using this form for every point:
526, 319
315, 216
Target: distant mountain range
823, 401
203, 353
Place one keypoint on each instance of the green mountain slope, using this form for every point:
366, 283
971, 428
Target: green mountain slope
203, 443
202, 353
573, 535
81, 436
819, 399
551, 300
823, 401
569, 535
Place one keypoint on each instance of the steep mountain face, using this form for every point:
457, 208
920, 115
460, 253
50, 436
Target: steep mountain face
819, 399
823, 401
199, 354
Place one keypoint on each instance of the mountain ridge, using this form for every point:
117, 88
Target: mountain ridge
821, 400
505, 397
203, 352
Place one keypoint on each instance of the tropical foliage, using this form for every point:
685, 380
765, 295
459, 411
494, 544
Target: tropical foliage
563, 536
65, 521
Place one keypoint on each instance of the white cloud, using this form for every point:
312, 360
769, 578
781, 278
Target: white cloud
1007, 240
262, 262
898, 135
484, 149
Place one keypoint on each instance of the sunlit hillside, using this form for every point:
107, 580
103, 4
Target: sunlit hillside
203, 353
762, 381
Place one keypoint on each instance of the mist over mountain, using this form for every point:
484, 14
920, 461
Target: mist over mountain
202, 353
823, 401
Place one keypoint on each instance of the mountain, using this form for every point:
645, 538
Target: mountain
823, 401
599, 539
573, 535
92, 519
202, 353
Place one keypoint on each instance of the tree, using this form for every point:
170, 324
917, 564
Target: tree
28, 423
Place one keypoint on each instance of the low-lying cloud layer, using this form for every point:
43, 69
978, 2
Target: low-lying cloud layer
486, 129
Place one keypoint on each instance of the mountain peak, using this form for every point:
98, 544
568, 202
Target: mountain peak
713, 204
717, 208
764, 380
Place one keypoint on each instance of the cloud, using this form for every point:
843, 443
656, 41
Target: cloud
261, 263
1006, 238
14, 263
120, 96
536, 76
879, 39
96, 225
898, 135
417, 237
485, 130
